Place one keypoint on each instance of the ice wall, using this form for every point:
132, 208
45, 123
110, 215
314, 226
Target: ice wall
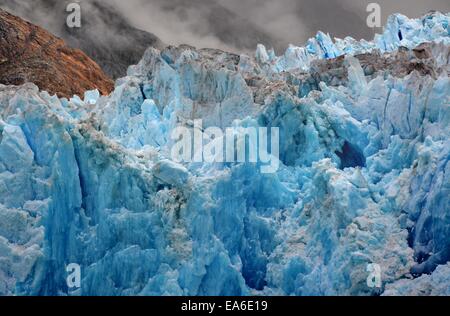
364, 176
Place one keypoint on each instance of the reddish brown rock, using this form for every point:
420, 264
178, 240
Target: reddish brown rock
29, 53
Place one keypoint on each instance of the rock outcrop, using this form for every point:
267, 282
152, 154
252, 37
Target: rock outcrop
29, 53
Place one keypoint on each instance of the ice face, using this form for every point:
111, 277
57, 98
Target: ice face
363, 177
399, 32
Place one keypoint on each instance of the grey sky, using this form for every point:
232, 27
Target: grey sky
238, 25
281, 21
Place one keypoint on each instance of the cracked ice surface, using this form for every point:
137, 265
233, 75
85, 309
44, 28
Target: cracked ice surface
364, 176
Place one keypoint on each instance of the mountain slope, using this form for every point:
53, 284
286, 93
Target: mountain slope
28, 53
105, 35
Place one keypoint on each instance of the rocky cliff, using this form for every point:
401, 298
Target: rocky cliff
29, 53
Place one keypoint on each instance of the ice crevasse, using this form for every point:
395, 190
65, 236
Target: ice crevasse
364, 175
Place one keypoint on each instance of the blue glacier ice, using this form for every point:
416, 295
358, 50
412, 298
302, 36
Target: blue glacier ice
364, 175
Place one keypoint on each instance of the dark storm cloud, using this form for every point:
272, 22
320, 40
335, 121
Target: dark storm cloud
240, 24
105, 35
236, 25
202, 23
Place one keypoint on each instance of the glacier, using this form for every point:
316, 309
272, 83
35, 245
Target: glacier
364, 174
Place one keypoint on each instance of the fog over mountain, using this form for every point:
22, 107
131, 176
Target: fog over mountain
116, 33
106, 35
29, 53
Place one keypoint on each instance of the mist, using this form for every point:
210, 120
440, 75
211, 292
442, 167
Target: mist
234, 25
115, 33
